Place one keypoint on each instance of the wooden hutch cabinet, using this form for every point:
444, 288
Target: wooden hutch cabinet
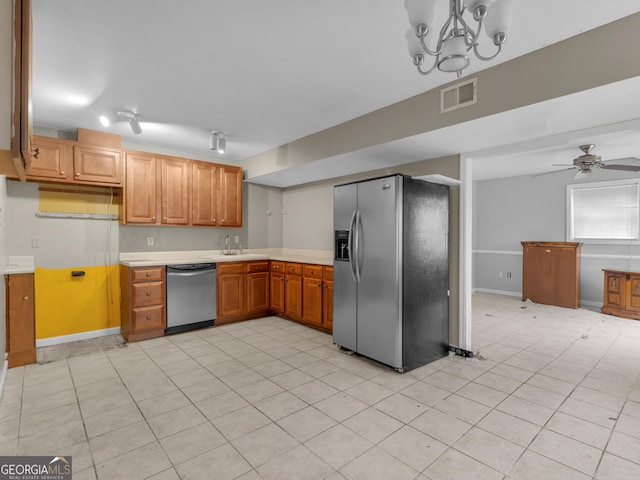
551, 273
622, 293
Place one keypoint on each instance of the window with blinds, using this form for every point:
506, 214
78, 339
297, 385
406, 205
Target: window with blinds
603, 212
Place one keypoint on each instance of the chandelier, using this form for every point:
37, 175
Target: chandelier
459, 34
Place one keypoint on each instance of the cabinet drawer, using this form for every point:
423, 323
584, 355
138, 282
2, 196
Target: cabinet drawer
294, 268
147, 274
312, 271
327, 273
257, 267
230, 268
277, 267
148, 318
145, 294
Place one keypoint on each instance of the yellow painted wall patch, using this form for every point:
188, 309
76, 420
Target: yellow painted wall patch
66, 304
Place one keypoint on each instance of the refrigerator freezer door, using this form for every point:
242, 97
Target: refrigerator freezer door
345, 199
379, 250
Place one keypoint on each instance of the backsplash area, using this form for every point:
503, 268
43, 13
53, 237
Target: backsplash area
135, 238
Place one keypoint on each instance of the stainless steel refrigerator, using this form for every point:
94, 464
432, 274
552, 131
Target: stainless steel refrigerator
391, 270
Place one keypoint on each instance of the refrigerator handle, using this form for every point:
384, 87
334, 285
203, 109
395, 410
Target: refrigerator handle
350, 249
357, 249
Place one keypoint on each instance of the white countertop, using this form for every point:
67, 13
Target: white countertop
19, 264
141, 259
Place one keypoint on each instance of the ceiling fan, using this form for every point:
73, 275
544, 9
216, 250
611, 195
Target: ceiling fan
587, 162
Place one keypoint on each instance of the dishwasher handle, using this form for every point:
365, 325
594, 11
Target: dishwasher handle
191, 273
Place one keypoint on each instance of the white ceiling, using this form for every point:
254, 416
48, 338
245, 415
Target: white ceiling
272, 72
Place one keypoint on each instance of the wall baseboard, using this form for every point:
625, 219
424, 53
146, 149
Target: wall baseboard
586, 303
3, 376
47, 342
498, 292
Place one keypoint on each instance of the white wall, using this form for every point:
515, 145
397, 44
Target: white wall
508, 211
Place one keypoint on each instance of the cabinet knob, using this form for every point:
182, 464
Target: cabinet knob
26, 297
77, 174
148, 317
153, 218
148, 294
319, 285
148, 274
249, 278
62, 172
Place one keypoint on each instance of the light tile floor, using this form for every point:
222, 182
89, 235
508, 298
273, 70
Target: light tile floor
554, 394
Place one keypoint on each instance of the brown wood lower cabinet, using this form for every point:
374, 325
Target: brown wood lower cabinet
622, 293
143, 305
242, 291
304, 292
20, 318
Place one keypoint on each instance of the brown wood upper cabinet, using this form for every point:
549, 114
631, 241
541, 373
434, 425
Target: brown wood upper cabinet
161, 190
66, 161
230, 200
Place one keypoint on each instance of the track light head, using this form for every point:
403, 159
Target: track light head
133, 121
217, 141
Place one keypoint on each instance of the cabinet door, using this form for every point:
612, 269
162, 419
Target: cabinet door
231, 297
257, 292
205, 193
293, 296
633, 295
312, 300
21, 330
327, 304
614, 290
97, 165
230, 201
140, 189
277, 292
565, 278
175, 191
51, 161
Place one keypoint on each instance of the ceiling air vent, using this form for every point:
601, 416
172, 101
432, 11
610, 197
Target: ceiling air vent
459, 95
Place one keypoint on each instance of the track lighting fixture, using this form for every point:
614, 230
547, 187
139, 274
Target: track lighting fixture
217, 141
133, 121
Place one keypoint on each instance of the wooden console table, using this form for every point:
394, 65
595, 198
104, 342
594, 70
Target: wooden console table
622, 293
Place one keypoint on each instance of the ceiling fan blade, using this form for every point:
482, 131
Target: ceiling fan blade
628, 164
626, 168
562, 165
554, 171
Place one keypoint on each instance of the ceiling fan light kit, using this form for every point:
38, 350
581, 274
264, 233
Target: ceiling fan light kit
459, 35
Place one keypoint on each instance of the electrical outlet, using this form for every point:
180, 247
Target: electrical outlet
35, 242
500, 274
150, 241
508, 274
236, 239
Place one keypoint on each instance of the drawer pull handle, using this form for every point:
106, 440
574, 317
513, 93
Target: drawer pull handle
148, 274
148, 317
148, 294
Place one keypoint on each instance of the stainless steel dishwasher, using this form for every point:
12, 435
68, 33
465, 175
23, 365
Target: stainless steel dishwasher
191, 296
